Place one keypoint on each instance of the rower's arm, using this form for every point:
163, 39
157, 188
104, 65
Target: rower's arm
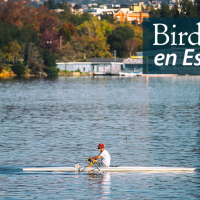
95, 157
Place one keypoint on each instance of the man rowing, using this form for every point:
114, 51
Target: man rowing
102, 160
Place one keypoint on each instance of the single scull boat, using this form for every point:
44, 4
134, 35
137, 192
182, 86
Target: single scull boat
111, 169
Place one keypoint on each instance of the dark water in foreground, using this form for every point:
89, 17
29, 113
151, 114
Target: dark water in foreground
143, 121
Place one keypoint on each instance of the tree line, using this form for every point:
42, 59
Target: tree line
38, 37
188, 9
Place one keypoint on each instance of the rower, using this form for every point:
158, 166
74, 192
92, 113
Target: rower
102, 160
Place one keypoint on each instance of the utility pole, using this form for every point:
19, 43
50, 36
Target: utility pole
115, 55
60, 42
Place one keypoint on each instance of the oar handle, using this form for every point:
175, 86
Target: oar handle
90, 159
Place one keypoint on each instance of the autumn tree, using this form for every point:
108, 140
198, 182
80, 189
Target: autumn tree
12, 51
15, 12
130, 47
67, 31
49, 36
94, 32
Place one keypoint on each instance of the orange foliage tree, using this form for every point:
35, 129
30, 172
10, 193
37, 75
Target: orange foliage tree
67, 31
15, 12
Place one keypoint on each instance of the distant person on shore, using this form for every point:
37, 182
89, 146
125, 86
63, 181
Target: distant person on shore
102, 160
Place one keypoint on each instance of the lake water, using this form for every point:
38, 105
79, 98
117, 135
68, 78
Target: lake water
143, 121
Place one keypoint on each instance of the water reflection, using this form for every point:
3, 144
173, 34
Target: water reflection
103, 181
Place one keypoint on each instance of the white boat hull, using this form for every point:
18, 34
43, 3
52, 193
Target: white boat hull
130, 73
111, 169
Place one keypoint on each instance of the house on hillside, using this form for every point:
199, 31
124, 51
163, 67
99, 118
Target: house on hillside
124, 14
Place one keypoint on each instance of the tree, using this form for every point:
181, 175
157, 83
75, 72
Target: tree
130, 47
1, 55
50, 62
15, 12
75, 19
49, 36
175, 12
49, 58
27, 35
50, 4
154, 13
135, 22
191, 10
108, 18
34, 59
19, 69
67, 31
118, 37
94, 40
12, 51
165, 12
76, 7
8, 33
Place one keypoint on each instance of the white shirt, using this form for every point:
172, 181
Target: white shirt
105, 156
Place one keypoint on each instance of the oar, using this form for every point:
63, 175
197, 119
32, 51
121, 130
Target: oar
90, 159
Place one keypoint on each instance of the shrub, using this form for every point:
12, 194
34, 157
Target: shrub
51, 71
19, 69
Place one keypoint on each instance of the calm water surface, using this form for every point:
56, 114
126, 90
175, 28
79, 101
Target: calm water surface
143, 121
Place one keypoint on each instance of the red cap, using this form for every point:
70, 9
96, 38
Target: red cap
101, 146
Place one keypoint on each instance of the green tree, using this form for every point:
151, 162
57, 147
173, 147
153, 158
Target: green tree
19, 69
118, 37
108, 18
8, 33
50, 62
76, 7
1, 55
12, 51
191, 10
165, 12
175, 12
50, 4
49, 58
51, 71
154, 13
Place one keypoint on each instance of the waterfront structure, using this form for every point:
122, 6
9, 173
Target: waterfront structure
104, 66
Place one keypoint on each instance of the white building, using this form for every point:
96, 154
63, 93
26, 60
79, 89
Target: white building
104, 66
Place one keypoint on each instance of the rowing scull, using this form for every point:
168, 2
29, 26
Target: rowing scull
111, 169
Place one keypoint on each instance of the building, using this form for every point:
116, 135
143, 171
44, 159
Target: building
136, 8
104, 66
120, 14
123, 15
101, 10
